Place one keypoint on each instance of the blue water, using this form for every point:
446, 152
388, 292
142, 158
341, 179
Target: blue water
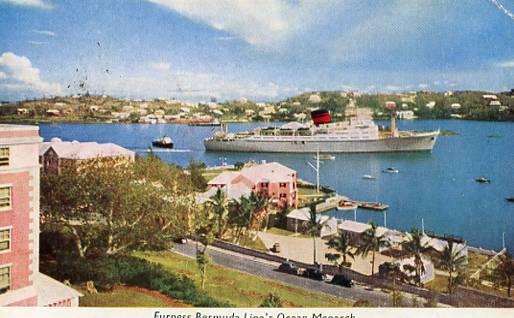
438, 187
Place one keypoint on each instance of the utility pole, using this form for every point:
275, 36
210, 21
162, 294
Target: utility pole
503, 240
422, 226
385, 218
316, 168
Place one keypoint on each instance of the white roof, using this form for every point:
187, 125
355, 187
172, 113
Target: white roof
268, 172
84, 150
299, 214
352, 226
51, 291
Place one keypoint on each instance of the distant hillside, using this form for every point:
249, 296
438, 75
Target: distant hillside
460, 104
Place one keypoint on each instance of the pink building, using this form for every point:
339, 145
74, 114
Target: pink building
21, 283
274, 180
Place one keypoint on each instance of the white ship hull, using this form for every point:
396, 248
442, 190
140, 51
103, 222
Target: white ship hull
418, 142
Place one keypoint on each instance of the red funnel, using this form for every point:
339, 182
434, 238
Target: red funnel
320, 116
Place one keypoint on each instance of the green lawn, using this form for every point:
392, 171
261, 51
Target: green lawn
242, 289
279, 231
476, 260
126, 297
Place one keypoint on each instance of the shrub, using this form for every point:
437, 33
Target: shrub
108, 271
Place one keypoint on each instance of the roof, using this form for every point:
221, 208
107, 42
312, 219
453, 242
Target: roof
232, 191
352, 226
268, 172
84, 150
51, 291
303, 214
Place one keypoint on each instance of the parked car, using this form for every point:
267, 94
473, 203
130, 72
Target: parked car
341, 280
288, 267
313, 273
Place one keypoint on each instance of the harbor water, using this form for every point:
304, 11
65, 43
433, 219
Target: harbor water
438, 187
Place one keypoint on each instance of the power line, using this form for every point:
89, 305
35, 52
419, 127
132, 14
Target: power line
502, 8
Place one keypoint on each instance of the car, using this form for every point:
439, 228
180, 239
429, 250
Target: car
288, 267
341, 280
313, 273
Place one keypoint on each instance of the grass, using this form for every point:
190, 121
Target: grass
476, 260
242, 289
439, 283
258, 245
283, 232
127, 297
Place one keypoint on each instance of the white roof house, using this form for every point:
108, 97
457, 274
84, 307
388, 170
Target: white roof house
303, 215
495, 103
430, 104
314, 98
455, 106
84, 150
490, 96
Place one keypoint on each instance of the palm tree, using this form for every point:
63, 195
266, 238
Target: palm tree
314, 226
219, 205
372, 243
341, 244
261, 203
452, 260
503, 274
416, 248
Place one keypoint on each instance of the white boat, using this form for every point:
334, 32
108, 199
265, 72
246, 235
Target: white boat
346, 206
368, 177
325, 157
391, 170
355, 135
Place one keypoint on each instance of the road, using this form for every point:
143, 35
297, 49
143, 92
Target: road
267, 269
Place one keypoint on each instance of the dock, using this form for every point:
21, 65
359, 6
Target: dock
377, 206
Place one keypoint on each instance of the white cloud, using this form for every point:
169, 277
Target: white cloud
160, 66
40, 4
19, 69
45, 32
37, 42
392, 88
506, 64
423, 86
262, 23
187, 85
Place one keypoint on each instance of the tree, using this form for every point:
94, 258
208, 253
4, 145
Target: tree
261, 204
372, 243
195, 172
315, 225
107, 209
218, 203
273, 300
341, 244
452, 260
416, 248
503, 274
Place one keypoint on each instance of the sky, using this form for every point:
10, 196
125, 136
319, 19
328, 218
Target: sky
263, 50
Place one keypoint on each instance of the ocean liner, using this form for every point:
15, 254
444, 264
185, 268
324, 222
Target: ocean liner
357, 134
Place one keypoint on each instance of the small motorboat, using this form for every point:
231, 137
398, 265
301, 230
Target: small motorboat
163, 142
390, 170
510, 199
368, 177
346, 205
483, 180
325, 157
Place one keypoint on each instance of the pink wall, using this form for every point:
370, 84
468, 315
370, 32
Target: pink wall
19, 218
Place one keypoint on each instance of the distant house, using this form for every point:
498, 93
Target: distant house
430, 105
406, 114
23, 111
298, 219
490, 97
53, 112
455, 106
273, 180
495, 103
314, 98
57, 155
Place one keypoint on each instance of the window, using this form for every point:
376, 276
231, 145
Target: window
265, 184
283, 195
5, 239
4, 156
5, 198
283, 184
5, 279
